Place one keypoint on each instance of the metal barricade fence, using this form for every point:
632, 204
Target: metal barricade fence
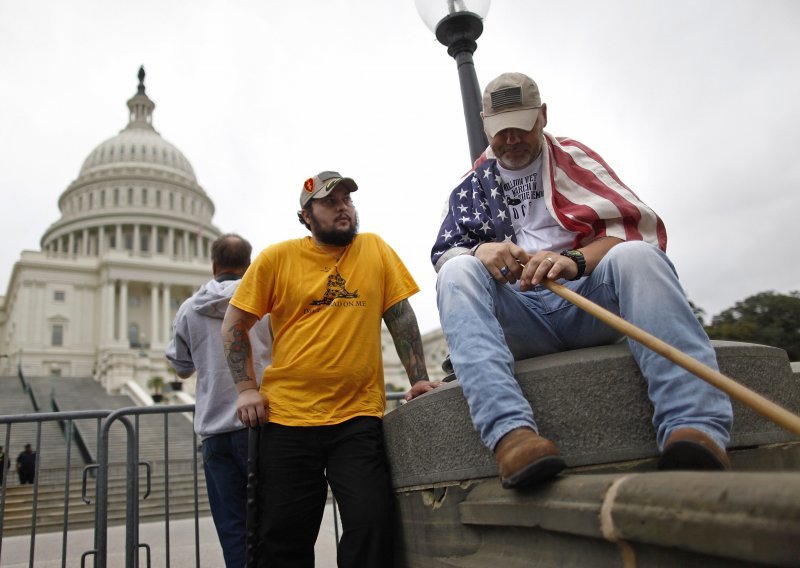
39, 419
132, 543
101, 471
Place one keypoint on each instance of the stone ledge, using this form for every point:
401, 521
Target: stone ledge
669, 518
592, 402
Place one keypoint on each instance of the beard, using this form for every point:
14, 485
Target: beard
515, 158
334, 237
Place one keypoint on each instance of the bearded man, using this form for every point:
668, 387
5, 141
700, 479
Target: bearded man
321, 401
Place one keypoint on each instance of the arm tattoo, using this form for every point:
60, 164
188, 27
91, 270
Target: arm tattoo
402, 324
238, 352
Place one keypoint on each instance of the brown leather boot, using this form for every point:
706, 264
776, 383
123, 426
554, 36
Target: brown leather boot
687, 448
524, 458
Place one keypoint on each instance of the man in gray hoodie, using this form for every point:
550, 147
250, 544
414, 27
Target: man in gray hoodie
196, 345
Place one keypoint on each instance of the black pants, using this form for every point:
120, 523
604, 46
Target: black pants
296, 464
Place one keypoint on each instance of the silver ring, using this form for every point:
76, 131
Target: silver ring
504, 271
550, 260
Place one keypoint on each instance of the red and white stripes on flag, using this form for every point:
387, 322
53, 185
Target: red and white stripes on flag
585, 196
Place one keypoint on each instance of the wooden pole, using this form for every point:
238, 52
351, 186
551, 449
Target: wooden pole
763, 406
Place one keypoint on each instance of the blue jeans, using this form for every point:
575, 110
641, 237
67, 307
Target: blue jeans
489, 325
225, 464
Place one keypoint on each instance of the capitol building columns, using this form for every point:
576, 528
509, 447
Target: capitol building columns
123, 322
107, 313
155, 335
181, 243
122, 313
166, 320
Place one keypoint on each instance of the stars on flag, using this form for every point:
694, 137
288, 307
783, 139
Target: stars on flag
483, 217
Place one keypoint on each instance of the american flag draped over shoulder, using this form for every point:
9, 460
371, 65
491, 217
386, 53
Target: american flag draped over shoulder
581, 192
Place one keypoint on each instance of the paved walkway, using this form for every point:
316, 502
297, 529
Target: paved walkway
47, 553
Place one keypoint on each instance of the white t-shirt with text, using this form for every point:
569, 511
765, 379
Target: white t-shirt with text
535, 227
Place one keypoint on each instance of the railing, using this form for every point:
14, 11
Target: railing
70, 433
104, 473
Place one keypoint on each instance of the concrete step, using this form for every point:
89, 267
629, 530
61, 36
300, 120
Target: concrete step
686, 519
591, 402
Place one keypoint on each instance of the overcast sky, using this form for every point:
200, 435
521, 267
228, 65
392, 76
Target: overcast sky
694, 103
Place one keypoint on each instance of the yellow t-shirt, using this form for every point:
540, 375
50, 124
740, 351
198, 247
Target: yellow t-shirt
326, 317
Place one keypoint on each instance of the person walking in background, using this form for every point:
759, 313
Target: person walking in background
323, 397
196, 346
26, 465
540, 207
3, 466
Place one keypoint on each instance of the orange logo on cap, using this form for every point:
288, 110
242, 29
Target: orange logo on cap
309, 185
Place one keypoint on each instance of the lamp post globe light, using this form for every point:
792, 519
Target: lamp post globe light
458, 24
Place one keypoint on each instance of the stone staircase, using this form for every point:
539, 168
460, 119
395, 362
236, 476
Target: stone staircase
73, 394
14, 400
51, 506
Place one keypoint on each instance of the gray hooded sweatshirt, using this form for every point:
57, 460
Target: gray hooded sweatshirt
196, 345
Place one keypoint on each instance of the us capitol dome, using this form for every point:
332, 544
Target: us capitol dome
135, 192
132, 242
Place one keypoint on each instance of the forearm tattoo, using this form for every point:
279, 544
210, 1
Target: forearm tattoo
238, 352
402, 324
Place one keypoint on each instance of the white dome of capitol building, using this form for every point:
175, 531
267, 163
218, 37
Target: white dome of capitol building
132, 242
134, 178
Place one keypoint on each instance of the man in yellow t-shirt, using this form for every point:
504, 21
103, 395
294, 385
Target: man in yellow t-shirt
321, 401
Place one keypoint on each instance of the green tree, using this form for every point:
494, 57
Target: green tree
767, 318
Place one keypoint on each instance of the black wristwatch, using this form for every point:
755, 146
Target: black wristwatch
579, 259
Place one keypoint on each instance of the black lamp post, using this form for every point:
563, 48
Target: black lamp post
458, 26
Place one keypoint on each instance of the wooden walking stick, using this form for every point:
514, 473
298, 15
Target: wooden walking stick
252, 514
763, 406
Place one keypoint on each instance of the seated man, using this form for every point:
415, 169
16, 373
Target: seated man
544, 207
